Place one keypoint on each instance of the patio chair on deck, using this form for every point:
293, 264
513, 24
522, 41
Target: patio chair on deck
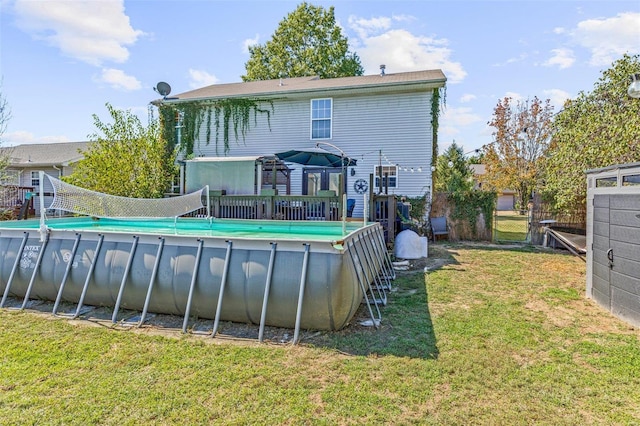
351, 204
439, 227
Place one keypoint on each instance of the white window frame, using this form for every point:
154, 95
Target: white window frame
393, 176
314, 119
35, 177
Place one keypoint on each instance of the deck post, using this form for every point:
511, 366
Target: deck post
127, 268
223, 283
267, 287
194, 278
67, 270
156, 265
89, 274
14, 269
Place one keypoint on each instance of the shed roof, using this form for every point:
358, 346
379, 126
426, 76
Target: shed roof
415, 80
45, 154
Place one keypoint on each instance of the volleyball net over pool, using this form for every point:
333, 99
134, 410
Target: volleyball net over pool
73, 199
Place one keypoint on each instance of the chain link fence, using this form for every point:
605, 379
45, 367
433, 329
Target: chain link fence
512, 226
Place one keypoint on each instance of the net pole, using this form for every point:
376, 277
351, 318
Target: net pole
206, 188
43, 227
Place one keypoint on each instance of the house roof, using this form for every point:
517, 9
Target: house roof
405, 81
478, 169
45, 154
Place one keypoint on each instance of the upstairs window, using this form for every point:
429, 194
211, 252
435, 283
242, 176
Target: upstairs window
321, 113
387, 171
35, 180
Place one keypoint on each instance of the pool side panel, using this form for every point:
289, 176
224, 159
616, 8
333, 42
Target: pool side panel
332, 294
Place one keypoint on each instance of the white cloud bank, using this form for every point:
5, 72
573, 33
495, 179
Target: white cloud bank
199, 78
607, 39
378, 43
119, 80
90, 31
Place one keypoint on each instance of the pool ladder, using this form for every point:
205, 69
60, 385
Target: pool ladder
374, 270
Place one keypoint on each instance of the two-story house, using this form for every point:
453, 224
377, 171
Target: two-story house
385, 122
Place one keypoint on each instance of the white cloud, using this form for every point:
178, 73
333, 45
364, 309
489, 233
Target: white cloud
513, 95
557, 97
460, 116
199, 78
90, 31
609, 38
367, 27
379, 43
453, 119
250, 42
467, 97
402, 51
21, 137
563, 58
521, 57
119, 80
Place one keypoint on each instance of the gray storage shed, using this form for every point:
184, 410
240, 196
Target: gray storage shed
613, 240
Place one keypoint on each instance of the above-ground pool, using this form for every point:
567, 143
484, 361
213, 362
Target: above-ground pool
298, 274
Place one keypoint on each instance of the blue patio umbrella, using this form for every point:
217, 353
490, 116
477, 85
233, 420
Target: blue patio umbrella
316, 157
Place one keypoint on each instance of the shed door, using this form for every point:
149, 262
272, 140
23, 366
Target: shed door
616, 254
601, 291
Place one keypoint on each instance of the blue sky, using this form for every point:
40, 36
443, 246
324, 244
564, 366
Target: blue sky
61, 61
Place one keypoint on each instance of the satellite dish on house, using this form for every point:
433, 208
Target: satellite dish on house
163, 88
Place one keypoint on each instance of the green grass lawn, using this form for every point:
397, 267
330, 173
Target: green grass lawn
493, 337
510, 226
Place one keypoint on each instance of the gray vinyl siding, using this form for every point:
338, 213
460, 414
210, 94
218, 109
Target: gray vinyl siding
397, 124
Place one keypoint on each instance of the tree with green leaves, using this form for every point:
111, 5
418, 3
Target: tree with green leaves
307, 42
596, 129
521, 137
453, 173
126, 158
454, 177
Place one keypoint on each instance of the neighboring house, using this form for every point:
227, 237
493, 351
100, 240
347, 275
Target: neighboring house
383, 121
506, 198
26, 161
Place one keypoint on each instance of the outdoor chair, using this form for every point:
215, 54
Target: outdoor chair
439, 227
351, 204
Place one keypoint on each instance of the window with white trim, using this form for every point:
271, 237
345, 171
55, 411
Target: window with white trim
35, 180
321, 114
387, 171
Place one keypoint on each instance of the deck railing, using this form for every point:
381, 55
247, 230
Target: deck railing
12, 198
274, 207
382, 209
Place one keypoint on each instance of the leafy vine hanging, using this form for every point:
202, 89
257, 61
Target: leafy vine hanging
228, 115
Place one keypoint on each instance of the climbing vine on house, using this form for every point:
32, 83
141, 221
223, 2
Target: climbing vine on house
220, 119
438, 97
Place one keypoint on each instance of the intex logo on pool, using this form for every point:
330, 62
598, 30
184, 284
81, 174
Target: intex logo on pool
29, 256
66, 257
